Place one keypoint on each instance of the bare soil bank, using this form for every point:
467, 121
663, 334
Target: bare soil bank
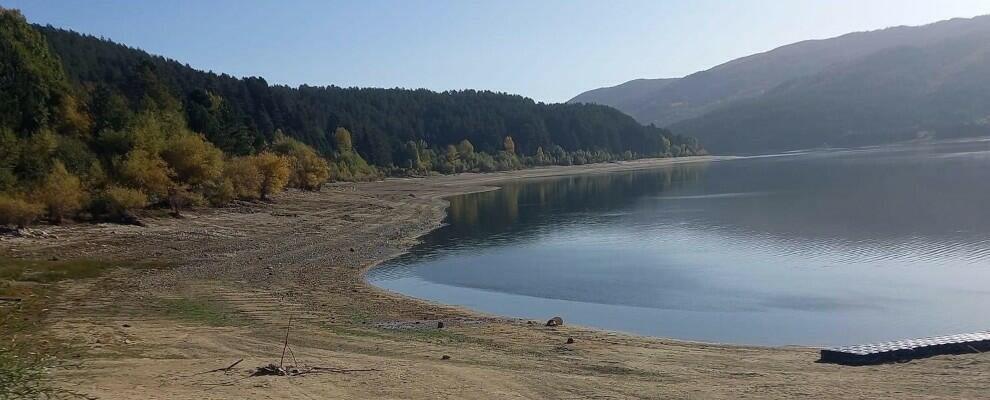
241, 273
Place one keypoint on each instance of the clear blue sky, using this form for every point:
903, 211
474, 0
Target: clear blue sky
549, 50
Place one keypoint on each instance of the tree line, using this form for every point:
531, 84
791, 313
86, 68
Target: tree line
91, 127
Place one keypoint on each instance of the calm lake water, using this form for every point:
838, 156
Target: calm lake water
820, 248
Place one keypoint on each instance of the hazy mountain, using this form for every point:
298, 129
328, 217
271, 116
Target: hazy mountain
631, 97
859, 88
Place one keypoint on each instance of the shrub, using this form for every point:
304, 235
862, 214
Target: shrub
193, 159
220, 191
18, 212
309, 170
274, 170
120, 201
351, 167
244, 177
61, 193
180, 197
147, 171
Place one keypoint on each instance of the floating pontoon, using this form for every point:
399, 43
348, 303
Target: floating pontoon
903, 350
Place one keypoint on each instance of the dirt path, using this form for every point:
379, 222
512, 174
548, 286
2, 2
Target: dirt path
241, 272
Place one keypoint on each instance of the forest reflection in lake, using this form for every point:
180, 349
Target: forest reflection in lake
816, 249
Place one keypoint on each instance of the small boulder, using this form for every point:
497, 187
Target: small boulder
555, 321
445, 357
439, 324
570, 340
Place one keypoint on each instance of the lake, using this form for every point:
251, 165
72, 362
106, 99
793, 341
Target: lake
818, 248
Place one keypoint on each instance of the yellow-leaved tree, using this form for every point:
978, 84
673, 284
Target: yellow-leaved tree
274, 170
193, 159
61, 193
342, 138
349, 165
72, 119
17, 211
509, 145
121, 201
309, 170
146, 171
243, 176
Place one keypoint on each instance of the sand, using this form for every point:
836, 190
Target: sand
239, 274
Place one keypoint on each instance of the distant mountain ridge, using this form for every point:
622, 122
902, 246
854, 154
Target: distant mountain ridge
859, 88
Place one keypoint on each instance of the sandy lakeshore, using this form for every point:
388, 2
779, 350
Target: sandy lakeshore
238, 275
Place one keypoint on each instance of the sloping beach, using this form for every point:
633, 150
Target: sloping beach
238, 277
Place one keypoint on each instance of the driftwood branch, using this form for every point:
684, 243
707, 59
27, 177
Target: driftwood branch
223, 369
281, 369
286, 344
274, 370
340, 370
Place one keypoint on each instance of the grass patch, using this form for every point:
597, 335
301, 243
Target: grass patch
27, 287
42, 271
24, 376
24, 316
203, 312
24, 360
360, 317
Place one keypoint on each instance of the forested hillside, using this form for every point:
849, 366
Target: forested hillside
87, 125
381, 120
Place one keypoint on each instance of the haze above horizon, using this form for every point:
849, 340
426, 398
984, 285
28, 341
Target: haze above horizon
550, 51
